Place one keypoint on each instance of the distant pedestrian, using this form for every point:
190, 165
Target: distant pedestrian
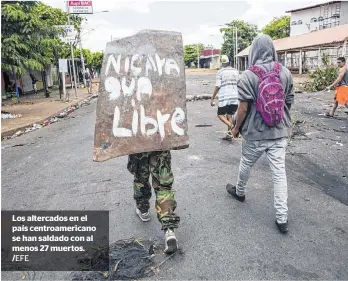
226, 87
88, 80
33, 82
341, 84
44, 82
263, 118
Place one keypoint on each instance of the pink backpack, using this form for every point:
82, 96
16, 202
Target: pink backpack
271, 97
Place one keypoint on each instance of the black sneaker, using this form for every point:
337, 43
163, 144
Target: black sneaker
283, 227
231, 189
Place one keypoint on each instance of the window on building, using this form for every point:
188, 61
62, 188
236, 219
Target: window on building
320, 19
314, 20
299, 22
294, 23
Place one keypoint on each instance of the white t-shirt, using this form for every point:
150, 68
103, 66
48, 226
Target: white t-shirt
226, 79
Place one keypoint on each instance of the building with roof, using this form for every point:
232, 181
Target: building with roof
318, 17
304, 52
210, 58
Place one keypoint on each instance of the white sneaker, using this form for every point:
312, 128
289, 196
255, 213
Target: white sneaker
170, 241
143, 216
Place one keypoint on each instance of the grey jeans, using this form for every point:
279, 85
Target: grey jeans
275, 152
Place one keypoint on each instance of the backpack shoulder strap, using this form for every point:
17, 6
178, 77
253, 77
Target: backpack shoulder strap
277, 67
257, 70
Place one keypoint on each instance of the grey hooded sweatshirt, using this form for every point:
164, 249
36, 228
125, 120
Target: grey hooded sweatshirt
263, 54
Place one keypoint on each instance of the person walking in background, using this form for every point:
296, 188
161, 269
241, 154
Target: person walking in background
88, 81
341, 84
226, 87
263, 118
33, 82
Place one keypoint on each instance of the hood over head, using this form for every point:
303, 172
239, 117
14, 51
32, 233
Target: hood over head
262, 51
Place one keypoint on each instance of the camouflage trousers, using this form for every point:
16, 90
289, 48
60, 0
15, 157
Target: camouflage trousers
158, 165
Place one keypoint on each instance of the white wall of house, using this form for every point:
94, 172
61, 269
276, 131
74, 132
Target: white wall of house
305, 22
305, 16
344, 12
215, 63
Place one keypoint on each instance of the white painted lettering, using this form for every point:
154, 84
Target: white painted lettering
135, 122
144, 120
144, 87
178, 117
135, 70
128, 90
160, 63
161, 119
150, 64
113, 86
116, 65
126, 65
119, 132
171, 64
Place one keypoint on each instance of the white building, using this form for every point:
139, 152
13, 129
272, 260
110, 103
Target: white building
315, 31
317, 17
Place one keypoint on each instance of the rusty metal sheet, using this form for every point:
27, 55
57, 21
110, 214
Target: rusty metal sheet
142, 96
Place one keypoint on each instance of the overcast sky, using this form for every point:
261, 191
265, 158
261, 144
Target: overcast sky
198, 21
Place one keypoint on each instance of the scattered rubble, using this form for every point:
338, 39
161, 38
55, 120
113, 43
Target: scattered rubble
8, 115
198, 97
52, 120
127, 259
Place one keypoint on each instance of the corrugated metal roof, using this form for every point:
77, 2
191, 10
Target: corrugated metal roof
313, 6
313, 39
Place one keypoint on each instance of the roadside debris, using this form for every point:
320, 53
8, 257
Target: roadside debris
340, 131
8, 115
52, 120
129, 259
23, 144
203, 125
198, 97
297, 130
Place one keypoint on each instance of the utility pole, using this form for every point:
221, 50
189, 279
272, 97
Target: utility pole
197, 56
82, 60
233, 47
72, 52
236, 48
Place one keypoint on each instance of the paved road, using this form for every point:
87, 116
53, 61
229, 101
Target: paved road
220, 238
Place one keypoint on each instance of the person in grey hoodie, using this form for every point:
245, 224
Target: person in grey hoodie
258, 137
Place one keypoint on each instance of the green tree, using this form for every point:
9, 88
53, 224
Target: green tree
29, 38
87, 55
278, 28
97, 60
246, 32
191, 53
